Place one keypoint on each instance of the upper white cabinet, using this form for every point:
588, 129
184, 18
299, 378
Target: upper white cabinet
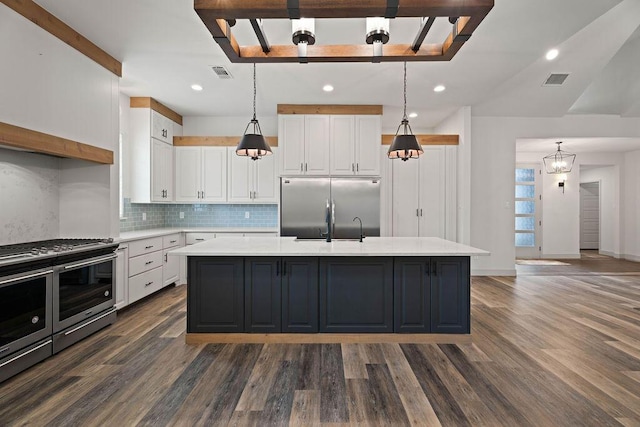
252, 181
161, 127
418, 195
151, 156
330, 144
305, 144
355, 145
201, 174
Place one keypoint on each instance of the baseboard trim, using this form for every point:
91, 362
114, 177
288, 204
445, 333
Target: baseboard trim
611, 254
560, 256
493, 272
630, 257
233, 338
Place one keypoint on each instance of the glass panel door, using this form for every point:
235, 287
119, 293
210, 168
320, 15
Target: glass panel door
527, 211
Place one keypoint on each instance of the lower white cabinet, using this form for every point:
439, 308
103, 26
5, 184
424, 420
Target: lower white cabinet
122, 276
144, 267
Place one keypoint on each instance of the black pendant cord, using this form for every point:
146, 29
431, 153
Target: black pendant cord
254, 92
404, 115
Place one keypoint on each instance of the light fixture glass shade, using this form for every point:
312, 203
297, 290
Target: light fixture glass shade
377, 28
303, 25
559, 162
253, 143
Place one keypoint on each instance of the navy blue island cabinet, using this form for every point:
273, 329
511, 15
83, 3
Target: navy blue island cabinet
336, 294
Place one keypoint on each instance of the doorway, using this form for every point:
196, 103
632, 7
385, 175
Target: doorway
590, 215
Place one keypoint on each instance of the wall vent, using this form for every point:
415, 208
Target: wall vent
555, 79
221, 72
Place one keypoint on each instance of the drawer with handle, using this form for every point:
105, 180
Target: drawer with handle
139, 247
193, 238
145, 284
171, 241
146, 262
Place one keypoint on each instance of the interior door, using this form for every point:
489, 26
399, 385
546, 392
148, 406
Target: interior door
590, 215
528, 211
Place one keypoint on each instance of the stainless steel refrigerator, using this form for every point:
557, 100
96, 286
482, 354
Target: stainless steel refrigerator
310, 207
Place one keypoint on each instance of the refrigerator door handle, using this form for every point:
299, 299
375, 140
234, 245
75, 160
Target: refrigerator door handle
333, 217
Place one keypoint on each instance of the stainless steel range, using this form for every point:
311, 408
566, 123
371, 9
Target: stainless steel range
53, 293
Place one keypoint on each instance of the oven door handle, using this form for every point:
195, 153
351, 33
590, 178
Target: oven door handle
29, 276
93, 261
113, 310
28, 352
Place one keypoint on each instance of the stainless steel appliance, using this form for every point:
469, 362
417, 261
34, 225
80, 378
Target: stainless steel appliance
52, 294
325, 208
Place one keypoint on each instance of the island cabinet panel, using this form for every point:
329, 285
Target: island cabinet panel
412, 295
450, 295
215, 295
262, 290
356, 294
300, 295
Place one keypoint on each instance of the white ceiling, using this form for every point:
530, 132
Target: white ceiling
578, 145
164, 48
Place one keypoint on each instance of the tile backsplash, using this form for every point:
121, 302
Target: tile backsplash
159, 215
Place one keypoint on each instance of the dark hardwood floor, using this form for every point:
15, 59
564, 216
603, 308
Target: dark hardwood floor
556, 346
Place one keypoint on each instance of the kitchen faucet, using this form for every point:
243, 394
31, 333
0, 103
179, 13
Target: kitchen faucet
361, 234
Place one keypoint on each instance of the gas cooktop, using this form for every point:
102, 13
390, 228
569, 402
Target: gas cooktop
46, 248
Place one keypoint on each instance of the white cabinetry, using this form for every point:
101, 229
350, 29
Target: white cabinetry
252, 181
305, 144
340, 145
201, 174
122, 276
171, 265
418, 195
150, 268
355, 145
151, 156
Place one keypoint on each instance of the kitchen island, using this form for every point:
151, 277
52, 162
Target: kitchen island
283, 285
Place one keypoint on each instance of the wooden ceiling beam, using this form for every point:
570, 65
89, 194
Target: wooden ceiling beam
147, 102
427, 139
277, 9
215, 141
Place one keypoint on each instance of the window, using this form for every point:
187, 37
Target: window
525, 207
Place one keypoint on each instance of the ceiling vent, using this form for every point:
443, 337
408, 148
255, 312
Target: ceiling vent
221, 72
555, 79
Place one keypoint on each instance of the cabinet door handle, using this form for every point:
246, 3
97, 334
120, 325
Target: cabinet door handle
305, 167
165, 258
427, 269
203, 194
357, 167
435, 269
277, 268
417, 212
301, 167
420, 211
284, 268
148, 247
200, 240
148, 262
148, 284
353, 169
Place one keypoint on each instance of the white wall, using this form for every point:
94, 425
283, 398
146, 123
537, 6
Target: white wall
226, 126
631, 206
493, 167
47, 86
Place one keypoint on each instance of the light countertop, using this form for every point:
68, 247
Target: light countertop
289, 246
128, 236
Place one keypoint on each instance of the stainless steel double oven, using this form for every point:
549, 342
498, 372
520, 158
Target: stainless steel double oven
50, 300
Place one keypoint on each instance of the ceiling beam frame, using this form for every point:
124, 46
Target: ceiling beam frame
215, 13
260, 34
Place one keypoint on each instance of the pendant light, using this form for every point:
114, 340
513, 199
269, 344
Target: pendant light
405, 146
253, 144
559, 162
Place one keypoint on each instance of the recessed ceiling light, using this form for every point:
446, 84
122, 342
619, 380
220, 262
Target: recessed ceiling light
552, 54
413, 115
327, 88
196, 87
439, 88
